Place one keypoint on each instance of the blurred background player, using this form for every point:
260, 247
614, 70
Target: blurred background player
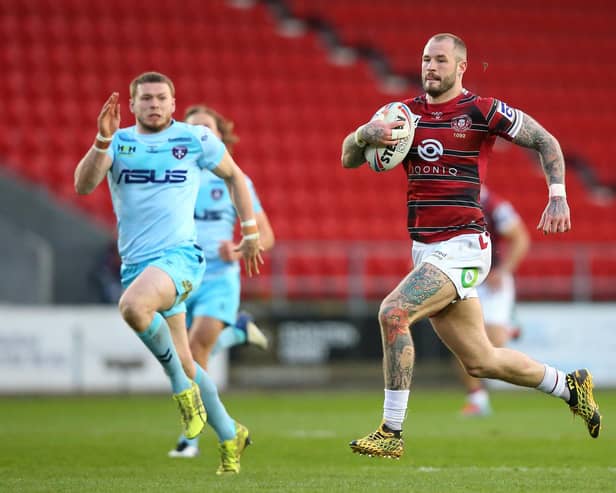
153, 169
510, 243
213, 320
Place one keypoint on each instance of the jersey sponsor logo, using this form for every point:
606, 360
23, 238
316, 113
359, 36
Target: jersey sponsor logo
430, 150
432, 169
179, 152
130, 176
208, 215
126, 150
461, 123
505, 110
469, 276
437, 114
217, 193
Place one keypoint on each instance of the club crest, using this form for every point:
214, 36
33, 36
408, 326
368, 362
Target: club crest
461, 123
179, 152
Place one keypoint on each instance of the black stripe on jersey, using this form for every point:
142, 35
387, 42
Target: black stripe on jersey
475, 126
423, 124
449, 152
443, 202
437, 229
470, 98
492, 111
467, 179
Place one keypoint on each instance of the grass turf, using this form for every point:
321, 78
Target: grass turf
119, 444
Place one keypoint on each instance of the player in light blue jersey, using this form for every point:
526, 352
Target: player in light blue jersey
213, 309
154, 169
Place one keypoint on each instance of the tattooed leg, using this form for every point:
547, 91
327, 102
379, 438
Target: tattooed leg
423, 292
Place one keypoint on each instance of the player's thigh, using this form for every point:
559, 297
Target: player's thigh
460, 327
424, 291
152, 288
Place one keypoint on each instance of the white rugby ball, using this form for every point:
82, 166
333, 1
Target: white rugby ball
384, 158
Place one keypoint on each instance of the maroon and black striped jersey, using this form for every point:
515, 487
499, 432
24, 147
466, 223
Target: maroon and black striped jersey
446, 163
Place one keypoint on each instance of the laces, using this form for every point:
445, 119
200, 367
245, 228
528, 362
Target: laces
228, 455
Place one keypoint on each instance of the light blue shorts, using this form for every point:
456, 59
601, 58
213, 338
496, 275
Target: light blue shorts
217, 297
185, 265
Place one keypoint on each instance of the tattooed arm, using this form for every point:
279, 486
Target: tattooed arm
375, 132
556, 216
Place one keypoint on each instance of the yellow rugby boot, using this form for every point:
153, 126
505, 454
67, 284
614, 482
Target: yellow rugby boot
582, 401
192, 411
231, 451
382, 443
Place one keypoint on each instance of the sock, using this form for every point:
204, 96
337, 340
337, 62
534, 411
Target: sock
229, 337
479, 398
394, 408
555, 383
194, 442
157, 338
217, 416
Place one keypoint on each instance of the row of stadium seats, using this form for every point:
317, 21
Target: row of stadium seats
292, 107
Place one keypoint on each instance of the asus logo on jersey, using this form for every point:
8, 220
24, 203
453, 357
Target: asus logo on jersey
149, 176
208, 215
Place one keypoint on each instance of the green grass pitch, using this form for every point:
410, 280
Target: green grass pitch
120, 444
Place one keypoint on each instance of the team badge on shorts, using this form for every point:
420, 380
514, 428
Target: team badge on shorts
469, 276
188, 287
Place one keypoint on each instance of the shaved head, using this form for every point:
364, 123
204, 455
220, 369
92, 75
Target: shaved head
459, 46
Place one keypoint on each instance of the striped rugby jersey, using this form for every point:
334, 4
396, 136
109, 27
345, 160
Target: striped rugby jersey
447, 161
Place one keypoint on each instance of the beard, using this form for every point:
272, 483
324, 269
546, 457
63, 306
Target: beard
446, 83
156, 127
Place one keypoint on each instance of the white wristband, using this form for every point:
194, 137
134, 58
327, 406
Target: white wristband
358, 140
248, 222
98, 149
557, 190
103, 139
251, 236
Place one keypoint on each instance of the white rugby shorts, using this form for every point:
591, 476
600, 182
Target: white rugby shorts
465, 259
497, 304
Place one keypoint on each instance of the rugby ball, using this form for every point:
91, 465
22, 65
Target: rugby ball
384, 158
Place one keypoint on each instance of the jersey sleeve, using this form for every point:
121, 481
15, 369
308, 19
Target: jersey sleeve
502, 119
212, 148
256, 203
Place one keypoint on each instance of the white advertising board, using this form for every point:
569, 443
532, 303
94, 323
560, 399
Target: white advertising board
79, 349
569, 336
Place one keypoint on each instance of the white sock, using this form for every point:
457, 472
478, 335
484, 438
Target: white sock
479, 398
394, 408
555, 383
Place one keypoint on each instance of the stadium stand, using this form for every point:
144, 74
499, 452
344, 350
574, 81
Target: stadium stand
293, 98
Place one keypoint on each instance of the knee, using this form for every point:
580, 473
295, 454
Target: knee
394, 319
133, 311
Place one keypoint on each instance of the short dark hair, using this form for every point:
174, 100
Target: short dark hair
459, 45
224, 126
147, 77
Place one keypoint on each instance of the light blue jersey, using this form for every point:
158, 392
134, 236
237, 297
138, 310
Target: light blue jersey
219, 294
216, 217
154, 181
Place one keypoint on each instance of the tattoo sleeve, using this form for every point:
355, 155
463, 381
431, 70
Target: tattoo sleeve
409, 302
534, 136
352, 154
